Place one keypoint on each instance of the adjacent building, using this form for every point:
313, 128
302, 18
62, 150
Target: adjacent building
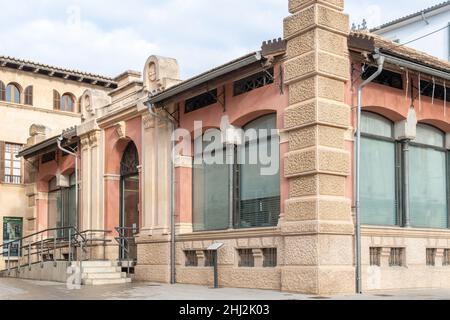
35, 100
163, 183
433, 22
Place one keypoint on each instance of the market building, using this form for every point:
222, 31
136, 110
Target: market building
299, 227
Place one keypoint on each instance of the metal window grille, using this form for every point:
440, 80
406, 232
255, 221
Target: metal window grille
209, 258
396, 257
253, 82
191, 258
446, 260
375, 257
270, 258
259, 212
246, 258
431, 257
13, 165
201, 101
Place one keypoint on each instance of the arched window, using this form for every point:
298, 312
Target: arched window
29, 95
378, 174
259, 179
211, 204
13, 93
56, 100
68, 102
2, 91
428, 179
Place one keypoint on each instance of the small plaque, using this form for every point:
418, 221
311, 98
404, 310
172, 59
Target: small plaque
215, 246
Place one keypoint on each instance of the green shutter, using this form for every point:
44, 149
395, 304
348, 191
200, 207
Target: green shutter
2, 161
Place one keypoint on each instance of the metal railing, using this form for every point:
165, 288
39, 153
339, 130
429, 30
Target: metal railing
126, 244
44, 246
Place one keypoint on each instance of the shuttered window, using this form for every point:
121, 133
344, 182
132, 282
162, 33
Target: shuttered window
2, 91
12, 165
378, 176
29, 96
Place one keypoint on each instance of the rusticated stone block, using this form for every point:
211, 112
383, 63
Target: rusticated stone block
324, 112
303, 138
331, 137
316, 208
330, 89
301, 44
316, 15
299, 21
296, 5
300, 279
300, 162
330, 185
336, 250
300, 66
331, 42
301, 209
302, 90
333, 113
336, 280
303, 250
334, 65
303, 186
333, 19
334, 161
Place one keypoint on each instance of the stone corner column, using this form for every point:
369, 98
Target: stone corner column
317, 227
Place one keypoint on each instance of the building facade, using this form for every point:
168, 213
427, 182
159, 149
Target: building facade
164, 164
433, 21
36, 101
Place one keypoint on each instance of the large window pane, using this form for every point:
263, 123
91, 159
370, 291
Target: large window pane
428, 188
259, 188
211, 194
378, 200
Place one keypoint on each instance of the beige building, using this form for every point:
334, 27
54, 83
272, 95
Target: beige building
43, 96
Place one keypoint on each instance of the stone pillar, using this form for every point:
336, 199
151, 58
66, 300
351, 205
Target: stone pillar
318, 226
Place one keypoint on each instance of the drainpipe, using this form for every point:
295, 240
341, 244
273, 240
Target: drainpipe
58, 141
380, 62
152, 111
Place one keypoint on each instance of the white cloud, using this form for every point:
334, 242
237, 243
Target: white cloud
110, 36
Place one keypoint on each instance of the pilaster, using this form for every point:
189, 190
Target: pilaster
317, 226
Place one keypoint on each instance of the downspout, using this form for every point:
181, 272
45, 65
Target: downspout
152, 111
380, 62
58, 141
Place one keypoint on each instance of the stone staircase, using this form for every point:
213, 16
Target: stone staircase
96, 273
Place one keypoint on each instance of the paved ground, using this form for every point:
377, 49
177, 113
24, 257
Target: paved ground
14, 289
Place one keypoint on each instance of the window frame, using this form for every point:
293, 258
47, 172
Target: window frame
28, 95
11, 86
11, 178
234, 174
398, 163
64, 103
447, 169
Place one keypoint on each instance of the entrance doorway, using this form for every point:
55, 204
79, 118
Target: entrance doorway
129, 202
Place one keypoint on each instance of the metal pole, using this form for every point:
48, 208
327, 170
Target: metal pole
42, 251
9, 258
216, 271
70, 246
104, 245
406, 213
29, 255
380, 61
54, 247
19, 255
81, 260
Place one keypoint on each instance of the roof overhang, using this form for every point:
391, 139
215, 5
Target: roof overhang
206, 77
69, 137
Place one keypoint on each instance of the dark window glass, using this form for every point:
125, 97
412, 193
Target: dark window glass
439, 91
201, 101
386, 78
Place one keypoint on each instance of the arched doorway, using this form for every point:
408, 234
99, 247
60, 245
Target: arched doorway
129, 201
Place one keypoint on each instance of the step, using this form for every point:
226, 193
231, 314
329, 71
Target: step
101, 269
109, 275
101, 282
89, 264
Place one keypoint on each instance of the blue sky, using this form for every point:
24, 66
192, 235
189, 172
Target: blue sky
110, 36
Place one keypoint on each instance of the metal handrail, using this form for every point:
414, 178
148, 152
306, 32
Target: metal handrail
124, 241
42, 247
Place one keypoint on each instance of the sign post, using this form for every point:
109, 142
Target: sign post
215, 248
